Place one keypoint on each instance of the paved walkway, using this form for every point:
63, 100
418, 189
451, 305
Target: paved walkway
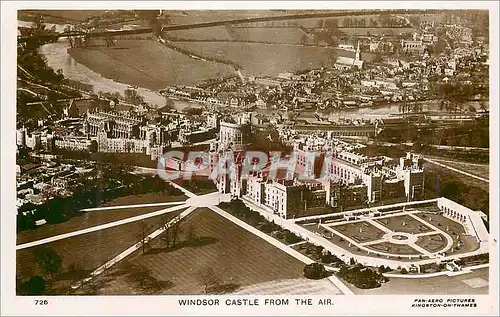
457, 170
100, 227
133, 248
299, 256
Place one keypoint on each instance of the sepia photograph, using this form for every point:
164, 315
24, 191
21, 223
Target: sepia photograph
231, 157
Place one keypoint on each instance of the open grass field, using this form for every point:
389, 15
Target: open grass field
481, 170
242, 34
264, 59
92, 249
404, 223
147, 64
274, 35
443, 172
144, 199
209, 33
376, 31
198, 16
237, 257
71, 15
95, 218
360, 231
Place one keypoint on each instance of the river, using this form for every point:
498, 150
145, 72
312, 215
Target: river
58, 58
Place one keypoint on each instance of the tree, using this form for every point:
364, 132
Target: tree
175, 231
48, 260
78, 273
484, 106
34, 286
94, 147
169, 104
314, 271
193, 111
133, 97
208, 278
143, 236
191, 233
167, 235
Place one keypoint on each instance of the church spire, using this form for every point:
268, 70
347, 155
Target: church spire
357, 58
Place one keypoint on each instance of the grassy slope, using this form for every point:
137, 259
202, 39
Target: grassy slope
95, 218
90, 250
235, 255
147, 64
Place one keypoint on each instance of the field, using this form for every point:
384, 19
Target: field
71, 15
264, 59
444, 172
147, 64
209, 33
376, 31
88, 250
198, 16
237, 258
481, 170
241, 34
94, 218
272, 35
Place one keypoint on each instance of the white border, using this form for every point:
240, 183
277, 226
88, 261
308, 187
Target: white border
167, 305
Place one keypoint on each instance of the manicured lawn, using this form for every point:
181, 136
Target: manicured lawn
432, 243
237, 257
360, 231
394, 248
94, 218
89, 250
455, 230
404, 223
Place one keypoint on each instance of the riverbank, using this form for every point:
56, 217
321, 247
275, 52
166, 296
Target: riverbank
146, 63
